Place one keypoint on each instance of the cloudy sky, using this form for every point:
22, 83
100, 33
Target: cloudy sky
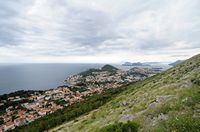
106, 31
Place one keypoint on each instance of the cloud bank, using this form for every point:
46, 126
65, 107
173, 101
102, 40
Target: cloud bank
105, 31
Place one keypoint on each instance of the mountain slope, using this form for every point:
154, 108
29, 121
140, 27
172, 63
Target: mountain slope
109, 68
176, 63
169, 101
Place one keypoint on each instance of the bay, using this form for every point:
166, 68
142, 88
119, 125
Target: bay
14, 77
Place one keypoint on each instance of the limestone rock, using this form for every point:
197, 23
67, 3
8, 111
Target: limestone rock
126, 118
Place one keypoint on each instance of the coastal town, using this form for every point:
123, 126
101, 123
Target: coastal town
19, 110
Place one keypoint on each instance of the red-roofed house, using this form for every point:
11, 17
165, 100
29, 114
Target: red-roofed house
42, 112
2, 128
9, 126
30, 118
7, 119
20, 121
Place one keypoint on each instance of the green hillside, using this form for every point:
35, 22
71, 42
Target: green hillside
109, 68
169, 101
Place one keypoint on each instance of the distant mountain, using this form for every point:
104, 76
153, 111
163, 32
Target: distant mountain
106, 67
135, 64
89, 72
176, 63
109, 68
153, 63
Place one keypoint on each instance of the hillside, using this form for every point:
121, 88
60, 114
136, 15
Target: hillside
109, 68
176, 63
169, 101
106, 67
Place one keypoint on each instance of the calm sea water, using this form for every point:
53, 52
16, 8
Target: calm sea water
14, 77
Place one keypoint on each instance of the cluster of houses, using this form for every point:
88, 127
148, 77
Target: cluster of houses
110, 79
40, 104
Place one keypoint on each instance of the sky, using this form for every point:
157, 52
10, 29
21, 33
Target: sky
98, 31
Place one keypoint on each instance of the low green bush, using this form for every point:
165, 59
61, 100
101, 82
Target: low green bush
121, 127
181, 123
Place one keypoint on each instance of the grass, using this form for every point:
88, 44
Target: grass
182, 110
120, 127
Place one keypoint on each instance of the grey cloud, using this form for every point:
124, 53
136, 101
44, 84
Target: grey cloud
65, 28
6, 33
9, 14
180, 55
88, 27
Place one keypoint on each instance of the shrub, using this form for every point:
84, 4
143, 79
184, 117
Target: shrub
121, 127
197, 81
183, 123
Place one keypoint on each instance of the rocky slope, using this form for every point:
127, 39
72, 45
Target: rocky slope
169, 101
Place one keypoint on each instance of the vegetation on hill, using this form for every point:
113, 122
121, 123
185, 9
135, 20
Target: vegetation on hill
89, 72
109, 68
120, 127
20, 93
169, 101
176, 63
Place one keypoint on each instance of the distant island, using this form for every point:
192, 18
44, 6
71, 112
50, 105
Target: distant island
140, 64
135, 64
